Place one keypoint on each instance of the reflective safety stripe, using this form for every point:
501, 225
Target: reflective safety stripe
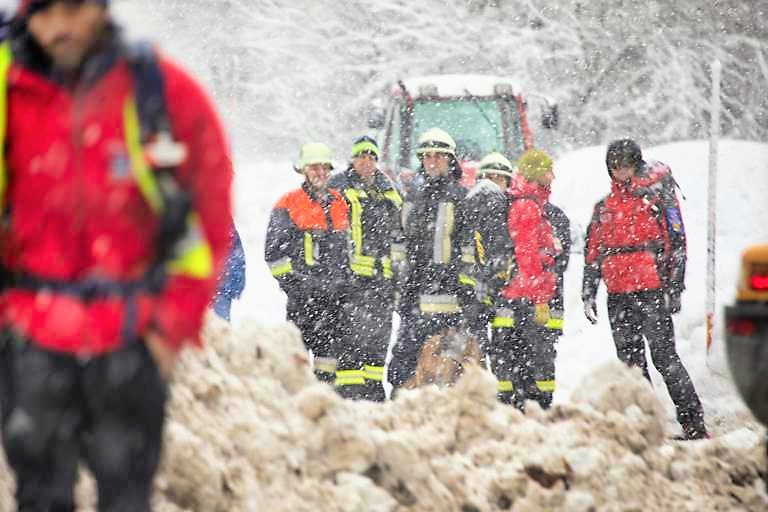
479, 247
309, 249
467, 280
398, 252
375, 373
502, 322
356, 222
386, 267
359, 263
555, 323
468, 254
6, 57
546, 385
446, 304
142, 172
443, 232
325, 364
504, 386
350, 378
194, 257
281, 267
394, 196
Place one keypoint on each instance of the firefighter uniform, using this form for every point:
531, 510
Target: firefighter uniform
374, 217
436, 234
487, 206
306, 250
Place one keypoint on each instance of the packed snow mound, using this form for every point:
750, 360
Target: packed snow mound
250, 429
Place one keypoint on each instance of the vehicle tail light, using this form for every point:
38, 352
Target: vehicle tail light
759, 282
741, 327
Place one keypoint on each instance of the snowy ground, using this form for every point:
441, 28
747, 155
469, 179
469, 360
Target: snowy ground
581, 181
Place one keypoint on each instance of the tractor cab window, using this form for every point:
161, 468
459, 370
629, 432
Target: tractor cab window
475, 125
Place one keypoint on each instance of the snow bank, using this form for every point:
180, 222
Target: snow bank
250, 429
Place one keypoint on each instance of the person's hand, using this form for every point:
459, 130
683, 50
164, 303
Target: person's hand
541, 313
672, 302
590, 310
163, 354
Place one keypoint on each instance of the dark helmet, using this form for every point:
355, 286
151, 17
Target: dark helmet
623, 153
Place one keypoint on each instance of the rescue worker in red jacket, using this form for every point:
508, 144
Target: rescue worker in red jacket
523, 355
628, 247
96, 303
306, 250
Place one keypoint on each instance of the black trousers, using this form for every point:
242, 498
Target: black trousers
523, 357
642, 316
323, 322
108, 411
363, 350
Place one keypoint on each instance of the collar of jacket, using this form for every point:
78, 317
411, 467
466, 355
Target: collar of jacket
28, 54
323, 200
380, 183
519, 187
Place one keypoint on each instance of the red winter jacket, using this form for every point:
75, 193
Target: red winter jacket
76, 212
626, 242
534, 243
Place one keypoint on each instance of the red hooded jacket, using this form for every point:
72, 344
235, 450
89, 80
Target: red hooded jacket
75, 212
627, 241
534, 243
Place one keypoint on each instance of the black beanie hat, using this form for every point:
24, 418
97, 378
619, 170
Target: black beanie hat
623, 153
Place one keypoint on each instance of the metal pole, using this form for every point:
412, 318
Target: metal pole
712, 201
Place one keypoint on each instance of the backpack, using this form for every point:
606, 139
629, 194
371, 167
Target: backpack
656, 184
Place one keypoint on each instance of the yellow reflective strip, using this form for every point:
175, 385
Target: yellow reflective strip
502, 322
281, 267
363, 270
480, 247
145, 178
465, 279
393, 196
375, 373
555, 323
309, 249
350, 378
6, 57
546, 385
386, 267
356, 221
504, 386
196, 258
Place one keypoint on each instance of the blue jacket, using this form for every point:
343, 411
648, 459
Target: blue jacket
232, 279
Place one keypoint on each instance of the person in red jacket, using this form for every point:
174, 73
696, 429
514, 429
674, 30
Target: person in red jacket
628, 247
96, 301
523, 360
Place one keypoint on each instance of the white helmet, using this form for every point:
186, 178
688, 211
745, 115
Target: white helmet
495, 163
436, 140
314, 153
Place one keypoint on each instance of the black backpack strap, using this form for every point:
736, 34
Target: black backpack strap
149, 87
